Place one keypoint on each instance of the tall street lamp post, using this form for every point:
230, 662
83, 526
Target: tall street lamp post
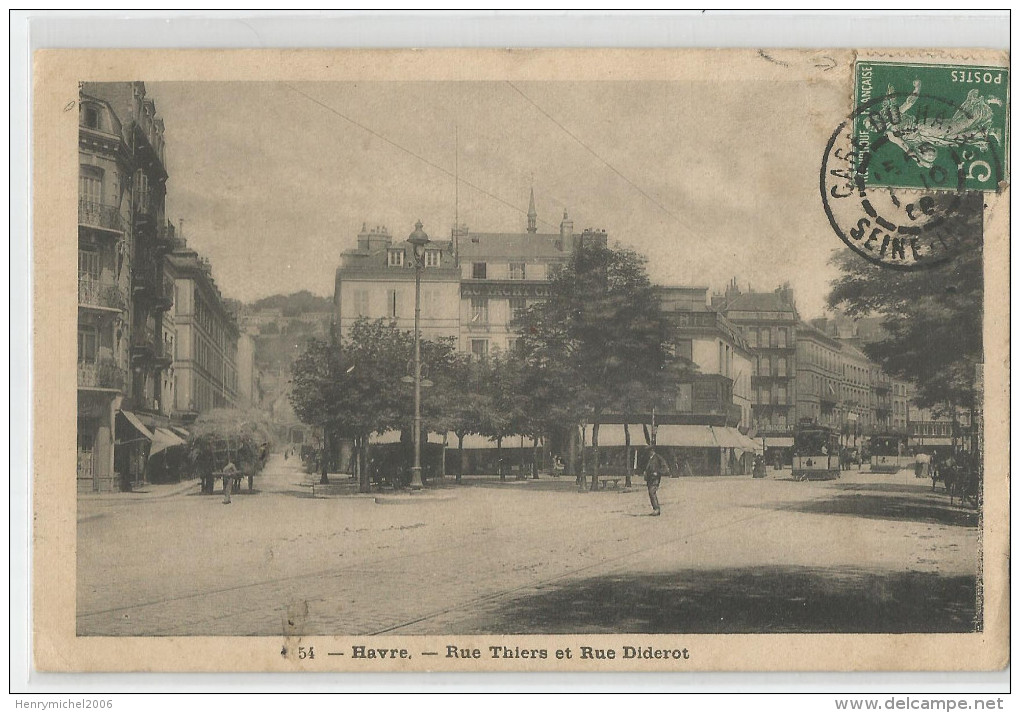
418, 239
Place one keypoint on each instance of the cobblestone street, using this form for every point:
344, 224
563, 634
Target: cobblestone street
868, 552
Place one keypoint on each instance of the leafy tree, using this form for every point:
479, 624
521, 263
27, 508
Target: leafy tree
459, 396
932, 317
503, 413
355, 387
600, 343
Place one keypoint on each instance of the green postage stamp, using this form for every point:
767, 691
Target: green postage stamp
931, 126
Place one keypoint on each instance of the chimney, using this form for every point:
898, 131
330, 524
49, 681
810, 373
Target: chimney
566, 232
363, 237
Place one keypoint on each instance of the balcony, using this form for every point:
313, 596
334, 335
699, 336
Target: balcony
92, 214
166, 239
163, 297
146, 207
102, 375
99, 294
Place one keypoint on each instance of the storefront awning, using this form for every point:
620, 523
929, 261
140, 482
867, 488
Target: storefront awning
137, 423
685, 436
753, 445
778, 442
162, 439
183, 433
473, 441
728, 437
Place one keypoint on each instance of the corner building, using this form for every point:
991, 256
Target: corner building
769, 322
122, 291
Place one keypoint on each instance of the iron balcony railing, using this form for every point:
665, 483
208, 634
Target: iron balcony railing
99, 215
143, 338
99, 293
104, 374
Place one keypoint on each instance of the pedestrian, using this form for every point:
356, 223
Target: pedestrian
229, 471
653, 476
922, 464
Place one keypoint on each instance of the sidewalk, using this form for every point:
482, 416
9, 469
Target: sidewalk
148, 491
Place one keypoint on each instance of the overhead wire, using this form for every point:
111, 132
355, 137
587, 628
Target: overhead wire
409, 152
594, 153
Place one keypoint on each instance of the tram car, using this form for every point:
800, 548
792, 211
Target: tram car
815, 452
889, 454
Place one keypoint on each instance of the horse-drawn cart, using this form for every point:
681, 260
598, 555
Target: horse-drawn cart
237, 450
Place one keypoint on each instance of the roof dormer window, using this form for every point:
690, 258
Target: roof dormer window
395, 257
90, 116
432, 258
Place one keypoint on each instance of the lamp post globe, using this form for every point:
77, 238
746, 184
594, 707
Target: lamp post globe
418, 239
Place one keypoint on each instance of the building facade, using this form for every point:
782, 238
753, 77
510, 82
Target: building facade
769, 322
376, 280
205, 362
122, 292
473, 284
249, 380
502, 274
819, 377
716, 346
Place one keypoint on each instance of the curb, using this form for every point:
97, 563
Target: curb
138, 496
411, 499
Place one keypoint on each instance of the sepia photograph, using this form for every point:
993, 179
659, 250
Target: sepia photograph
481, 359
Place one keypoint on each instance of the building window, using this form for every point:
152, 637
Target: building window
395, 258
480, 348
361, 303
88, 264
518, 305
392, 303
781, 394
685, 349
90, 185
478, 271
754, 366
88, 344
782, 366
752, 337
511, 344
480, 310
517, 271
766, 340
91, 116
781, 338
432, 258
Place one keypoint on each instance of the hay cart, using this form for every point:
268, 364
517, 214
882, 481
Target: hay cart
237, 450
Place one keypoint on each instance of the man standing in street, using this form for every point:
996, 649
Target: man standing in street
229, 471
653, 476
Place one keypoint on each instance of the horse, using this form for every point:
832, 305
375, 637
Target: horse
960, 479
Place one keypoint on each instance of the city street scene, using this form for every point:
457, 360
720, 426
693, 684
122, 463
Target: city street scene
365, 358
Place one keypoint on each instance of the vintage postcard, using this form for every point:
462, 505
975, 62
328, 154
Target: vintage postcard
538, 360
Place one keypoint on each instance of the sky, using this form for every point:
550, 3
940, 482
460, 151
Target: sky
708, 179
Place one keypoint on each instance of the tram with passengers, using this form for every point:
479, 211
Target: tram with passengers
815, 452
889, 453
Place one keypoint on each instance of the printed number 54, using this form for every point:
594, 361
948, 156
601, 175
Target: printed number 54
306, 652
